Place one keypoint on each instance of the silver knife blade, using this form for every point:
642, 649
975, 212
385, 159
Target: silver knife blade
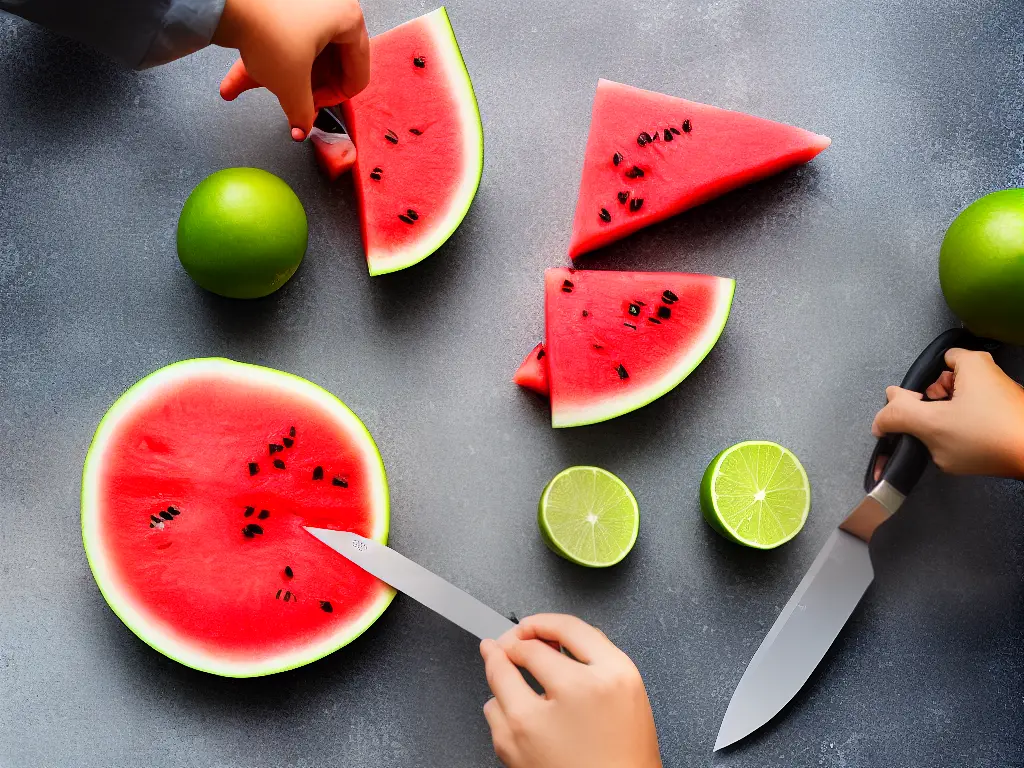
417, 582
810, 621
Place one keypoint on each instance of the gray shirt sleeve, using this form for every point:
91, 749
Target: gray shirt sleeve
138, 33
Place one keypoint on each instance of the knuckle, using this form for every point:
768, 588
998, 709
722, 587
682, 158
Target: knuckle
518, 718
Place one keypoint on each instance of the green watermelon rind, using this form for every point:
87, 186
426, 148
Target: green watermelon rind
144, 627
421, 249
628, 401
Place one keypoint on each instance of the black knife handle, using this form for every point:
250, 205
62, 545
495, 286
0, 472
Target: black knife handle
905, 456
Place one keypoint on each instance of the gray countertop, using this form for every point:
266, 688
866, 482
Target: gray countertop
837, 292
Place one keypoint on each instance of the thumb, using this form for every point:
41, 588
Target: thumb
906, 413
236, 81
295, 92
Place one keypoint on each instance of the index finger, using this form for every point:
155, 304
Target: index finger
586, 643
506, 682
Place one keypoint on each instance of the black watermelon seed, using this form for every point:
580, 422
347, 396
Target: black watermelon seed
151, 525
621, 370
668, 135
174, 511
288, 571
419, 62
291, 432
375, 176
166, 515
412, 214
585, 313
391, 136
249, 511
253, 528
644, 138
630, 325
247, 533
664, 313
513, 618
287, 596
253, 468
415, 131
278, 595
623, 197
687, 127
278, 463
541, 353
605, 216
567, 286
636, 204
654, 320
377, 169
340, 482
318, 473
156, 520
674, 130
264, 514
616, 158
634, 310
598, 346
288, 442
274, 448
635, 172
326, 607
668, 297
405, 218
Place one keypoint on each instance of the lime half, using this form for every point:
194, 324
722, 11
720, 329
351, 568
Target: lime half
589, 517
756, 493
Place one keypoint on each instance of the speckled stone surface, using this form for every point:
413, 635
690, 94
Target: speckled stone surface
837, 292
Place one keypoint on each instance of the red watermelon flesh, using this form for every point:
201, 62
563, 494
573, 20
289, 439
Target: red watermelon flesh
618, 340
650, 156
420, 143
335, 152
195, 493
533, 373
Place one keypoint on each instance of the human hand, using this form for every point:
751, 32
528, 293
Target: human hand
308, 53
594, 712
977, 425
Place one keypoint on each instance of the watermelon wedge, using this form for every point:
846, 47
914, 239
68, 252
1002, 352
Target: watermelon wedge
650, 156
335, 152
420, 143
195, 492
617, 341
533, 373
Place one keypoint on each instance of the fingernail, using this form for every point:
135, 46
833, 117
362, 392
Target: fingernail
298, 134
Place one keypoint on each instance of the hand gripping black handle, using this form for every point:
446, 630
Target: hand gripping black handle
905, 457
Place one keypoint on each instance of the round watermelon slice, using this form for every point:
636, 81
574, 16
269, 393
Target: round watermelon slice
195, 492
420, 143
616, 341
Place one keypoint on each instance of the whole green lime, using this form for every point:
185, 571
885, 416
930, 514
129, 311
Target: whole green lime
981, 266
242, 233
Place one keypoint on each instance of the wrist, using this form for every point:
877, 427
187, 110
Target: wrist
233, 22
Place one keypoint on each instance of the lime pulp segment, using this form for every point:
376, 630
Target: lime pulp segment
756, 493
588, 516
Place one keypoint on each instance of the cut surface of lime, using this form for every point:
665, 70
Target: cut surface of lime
589, 517
756, 493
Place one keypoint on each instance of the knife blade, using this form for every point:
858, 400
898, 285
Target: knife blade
842, 571
417, 582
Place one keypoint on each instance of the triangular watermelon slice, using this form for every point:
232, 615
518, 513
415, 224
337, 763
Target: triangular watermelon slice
420, 143
650, 156
617, 341
533, 373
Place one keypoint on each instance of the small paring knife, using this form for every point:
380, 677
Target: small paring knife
841, 573
417, 582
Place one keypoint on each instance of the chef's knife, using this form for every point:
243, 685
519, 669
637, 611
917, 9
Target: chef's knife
840, 574
417, 582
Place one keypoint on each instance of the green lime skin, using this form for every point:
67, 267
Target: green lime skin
981, 266
242, 233
707, 503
